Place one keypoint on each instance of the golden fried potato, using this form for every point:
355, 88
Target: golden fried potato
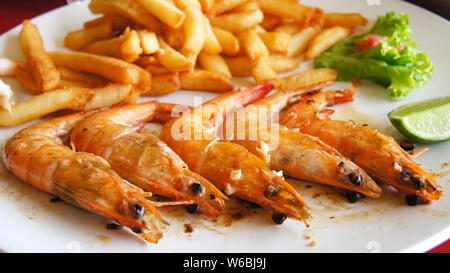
110, 68
326, 39
203, 80
39, 63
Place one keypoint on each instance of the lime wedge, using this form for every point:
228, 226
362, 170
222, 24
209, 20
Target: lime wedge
424, 121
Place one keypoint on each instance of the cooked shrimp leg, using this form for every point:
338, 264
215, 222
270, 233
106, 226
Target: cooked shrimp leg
231, 167
299, 155
143, 159
378, 154
38, 156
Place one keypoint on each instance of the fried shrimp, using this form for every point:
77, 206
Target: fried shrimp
38, 156
296, 154
378, 154
231, 167
143, 159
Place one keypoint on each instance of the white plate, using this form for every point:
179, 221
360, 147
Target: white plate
31, 223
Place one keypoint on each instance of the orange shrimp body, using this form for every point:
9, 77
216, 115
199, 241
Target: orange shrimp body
299, 155
378, 154
38, 156
143, 159
231, 167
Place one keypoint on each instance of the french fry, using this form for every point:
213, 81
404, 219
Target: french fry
25, 77
280, 63
241, 66
76, 98
118, 22
213, 63
208, 7
126, 47
79, 39
39, 63
253, 45
110, 68
164, 11
223, 6
290, 29
157, 69
348, 20
276, 41
36, 107
183, 4
211, 45
300, 41
132, 97
194, 32
171, 58
129, 9
164, 84
88, 80
237, 22
259, 29
203, 80
69, 78
8, 67
145, 60
228, 42
261, 70
318, 18
307, 77
149, 41
288, 9
325, 39
174, 37
95, 98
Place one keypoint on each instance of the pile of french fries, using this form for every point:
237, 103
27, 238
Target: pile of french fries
156, 47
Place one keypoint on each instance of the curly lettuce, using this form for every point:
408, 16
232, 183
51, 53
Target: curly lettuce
394, 63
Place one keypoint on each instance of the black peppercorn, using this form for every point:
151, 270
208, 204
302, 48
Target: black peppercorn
412, 200
113, 226
55, 199
279, 218
193, 208
353, 196
136, 229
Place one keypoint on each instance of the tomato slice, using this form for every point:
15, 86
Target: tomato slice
373, 40
370, 41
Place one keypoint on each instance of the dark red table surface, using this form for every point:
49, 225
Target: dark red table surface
13, 12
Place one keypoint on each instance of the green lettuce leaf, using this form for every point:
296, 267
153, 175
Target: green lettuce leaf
395, 63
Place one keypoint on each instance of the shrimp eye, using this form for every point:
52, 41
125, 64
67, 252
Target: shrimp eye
355, 179
279, 218
196, 188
